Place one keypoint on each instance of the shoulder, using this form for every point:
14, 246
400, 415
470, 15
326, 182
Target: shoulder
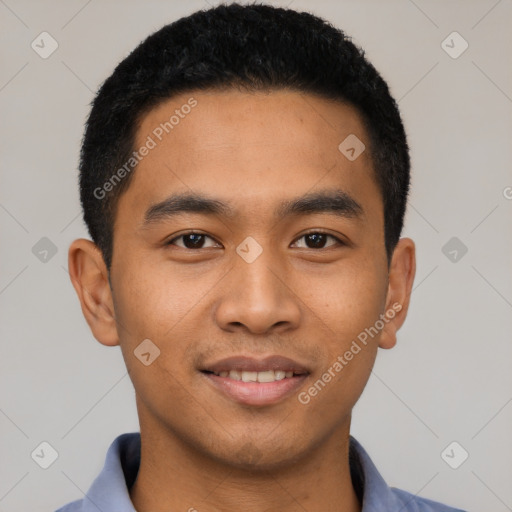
74, 506
110, 490
377, 496
412, 503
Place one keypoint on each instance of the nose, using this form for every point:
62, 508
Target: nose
258, 297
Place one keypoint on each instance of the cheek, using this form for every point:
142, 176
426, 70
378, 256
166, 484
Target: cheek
160, 304
153, 301
350, 307
150, 306
347, 300
330, 397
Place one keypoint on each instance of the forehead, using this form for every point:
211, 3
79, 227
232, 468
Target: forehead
252, 147
225, 119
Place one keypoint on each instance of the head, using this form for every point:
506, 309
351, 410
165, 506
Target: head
265, 48
231, 123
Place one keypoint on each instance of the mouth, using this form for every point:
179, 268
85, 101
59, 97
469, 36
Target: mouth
256, 382
252, 376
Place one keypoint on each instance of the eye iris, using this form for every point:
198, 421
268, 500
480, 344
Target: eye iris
318, 240
195, 239
313, 240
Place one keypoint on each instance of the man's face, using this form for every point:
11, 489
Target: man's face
251, 284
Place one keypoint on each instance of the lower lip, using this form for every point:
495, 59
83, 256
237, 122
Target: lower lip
256, 393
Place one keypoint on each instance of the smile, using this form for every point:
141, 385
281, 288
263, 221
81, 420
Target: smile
264, 376
255, 393
257, 382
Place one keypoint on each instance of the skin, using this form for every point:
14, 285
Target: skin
200, 449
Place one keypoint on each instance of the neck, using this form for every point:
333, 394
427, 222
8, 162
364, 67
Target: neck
173, 475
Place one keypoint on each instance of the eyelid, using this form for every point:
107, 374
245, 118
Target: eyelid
310, 231
190, 232
320, 232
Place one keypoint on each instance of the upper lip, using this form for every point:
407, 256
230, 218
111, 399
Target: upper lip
252, 364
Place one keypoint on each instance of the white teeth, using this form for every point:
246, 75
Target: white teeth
250, 376
233, 374
265, 376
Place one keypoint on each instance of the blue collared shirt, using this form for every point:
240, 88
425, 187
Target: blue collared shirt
110, 490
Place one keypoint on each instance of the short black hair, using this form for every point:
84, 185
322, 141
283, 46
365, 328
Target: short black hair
253, 47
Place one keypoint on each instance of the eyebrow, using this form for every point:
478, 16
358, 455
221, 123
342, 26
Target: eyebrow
335, 202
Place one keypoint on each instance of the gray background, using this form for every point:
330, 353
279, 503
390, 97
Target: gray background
449, 377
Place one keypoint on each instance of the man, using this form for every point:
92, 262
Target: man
244, 177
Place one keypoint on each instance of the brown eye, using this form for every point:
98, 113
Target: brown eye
318, 239
191, 240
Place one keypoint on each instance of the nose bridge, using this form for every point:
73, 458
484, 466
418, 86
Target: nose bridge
256, 296
257, 279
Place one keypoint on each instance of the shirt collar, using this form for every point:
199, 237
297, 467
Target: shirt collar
110, 490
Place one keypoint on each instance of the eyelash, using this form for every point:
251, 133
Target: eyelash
316, 231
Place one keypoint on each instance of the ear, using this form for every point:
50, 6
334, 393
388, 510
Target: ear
89, 276
400, 280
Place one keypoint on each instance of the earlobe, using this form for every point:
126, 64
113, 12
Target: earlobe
401, 278
89, 277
